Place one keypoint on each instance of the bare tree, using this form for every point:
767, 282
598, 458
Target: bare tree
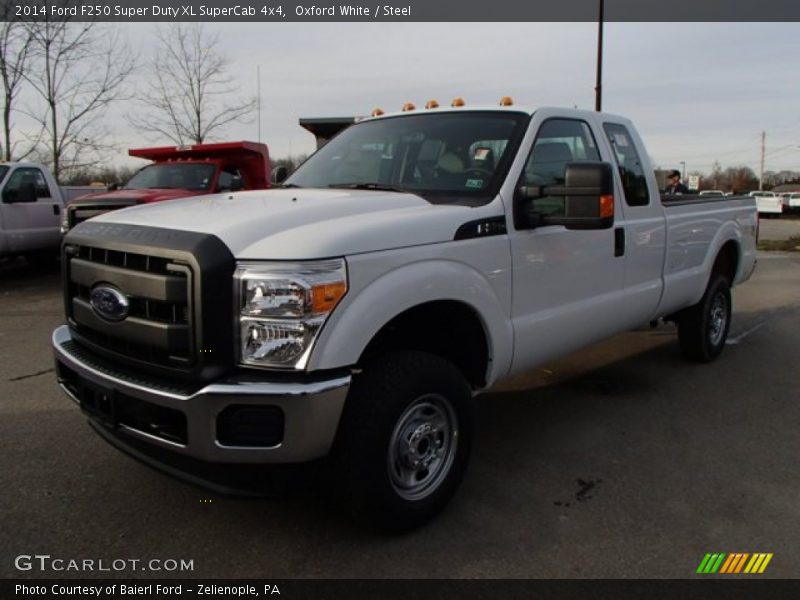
15, 44
185, 100
80, 69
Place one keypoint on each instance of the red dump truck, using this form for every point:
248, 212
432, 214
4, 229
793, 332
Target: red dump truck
179, 172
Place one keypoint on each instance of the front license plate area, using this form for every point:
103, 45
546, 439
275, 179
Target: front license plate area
99, 403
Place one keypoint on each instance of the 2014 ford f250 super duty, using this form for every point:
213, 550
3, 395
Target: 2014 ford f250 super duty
411, 263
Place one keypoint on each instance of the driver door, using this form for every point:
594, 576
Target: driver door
568, 284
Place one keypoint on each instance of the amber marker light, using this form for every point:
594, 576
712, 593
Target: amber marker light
377, 112
457, 102
506, 101
325, 297
606, 206
432, 104
408, 106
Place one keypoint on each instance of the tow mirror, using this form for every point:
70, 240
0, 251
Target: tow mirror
279, 174
587, 193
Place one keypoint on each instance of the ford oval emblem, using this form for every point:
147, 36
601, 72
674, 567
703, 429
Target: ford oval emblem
109, 303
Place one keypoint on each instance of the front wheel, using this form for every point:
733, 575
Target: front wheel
703, 328
404, 440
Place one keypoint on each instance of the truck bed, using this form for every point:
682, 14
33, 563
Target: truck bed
694, 225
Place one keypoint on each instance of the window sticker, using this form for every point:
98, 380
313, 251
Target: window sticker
481, 153
474, 184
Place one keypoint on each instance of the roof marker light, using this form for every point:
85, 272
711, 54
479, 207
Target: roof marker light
408, 106
432, 104
377, 112
459, 101
506, 101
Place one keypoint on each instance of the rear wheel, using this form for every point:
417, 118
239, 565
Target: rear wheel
703, 328
404, 441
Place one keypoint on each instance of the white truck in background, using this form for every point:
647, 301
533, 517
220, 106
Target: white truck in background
351, 315
768, 203
31, 204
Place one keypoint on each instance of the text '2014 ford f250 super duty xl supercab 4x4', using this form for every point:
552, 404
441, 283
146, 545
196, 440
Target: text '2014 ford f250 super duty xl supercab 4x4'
411, 263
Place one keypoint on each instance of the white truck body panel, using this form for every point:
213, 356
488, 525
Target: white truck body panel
768, 203
32, 226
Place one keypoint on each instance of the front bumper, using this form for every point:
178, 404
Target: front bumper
310, 410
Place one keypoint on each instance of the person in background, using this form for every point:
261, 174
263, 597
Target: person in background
674, 185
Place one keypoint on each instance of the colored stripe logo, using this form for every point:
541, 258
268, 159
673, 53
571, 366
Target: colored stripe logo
734, 563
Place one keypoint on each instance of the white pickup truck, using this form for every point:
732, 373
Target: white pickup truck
768, 203
411, 263
30, 212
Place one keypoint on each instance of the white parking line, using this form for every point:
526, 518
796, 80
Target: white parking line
735, 340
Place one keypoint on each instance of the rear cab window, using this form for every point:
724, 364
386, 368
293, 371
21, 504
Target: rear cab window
629, 164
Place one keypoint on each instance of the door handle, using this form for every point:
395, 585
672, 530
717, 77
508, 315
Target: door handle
56, 210
619, 241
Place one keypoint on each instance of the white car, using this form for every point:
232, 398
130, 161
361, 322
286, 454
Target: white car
414, 261
768, 203
712, 193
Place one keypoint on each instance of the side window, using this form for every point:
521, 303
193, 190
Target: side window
559, 141
634, 182
26, 185
226, 178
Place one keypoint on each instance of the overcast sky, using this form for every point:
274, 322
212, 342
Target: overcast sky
697, 92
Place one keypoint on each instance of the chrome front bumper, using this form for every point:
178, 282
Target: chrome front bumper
311, 410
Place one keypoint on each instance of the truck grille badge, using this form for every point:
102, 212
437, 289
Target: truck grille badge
109, 303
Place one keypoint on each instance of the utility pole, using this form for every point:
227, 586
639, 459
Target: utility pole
763, 149
598, 88
258, 86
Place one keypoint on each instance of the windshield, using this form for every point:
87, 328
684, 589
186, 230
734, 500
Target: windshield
443, 155
184, 176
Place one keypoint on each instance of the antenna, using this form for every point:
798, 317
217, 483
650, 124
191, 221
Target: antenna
258, 85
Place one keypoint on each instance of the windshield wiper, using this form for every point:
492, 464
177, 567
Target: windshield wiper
381, 187
286, 186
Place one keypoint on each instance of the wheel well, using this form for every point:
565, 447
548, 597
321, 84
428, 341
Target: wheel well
727, 262
447, 328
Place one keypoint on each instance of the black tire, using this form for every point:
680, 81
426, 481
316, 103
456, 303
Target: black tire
703, 328
393, 399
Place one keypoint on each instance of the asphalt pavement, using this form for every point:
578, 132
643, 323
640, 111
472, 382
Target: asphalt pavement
619, 461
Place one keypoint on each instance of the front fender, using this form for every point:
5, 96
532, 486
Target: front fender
368, 307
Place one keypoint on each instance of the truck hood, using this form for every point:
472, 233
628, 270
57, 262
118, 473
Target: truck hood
138, 196
305, 223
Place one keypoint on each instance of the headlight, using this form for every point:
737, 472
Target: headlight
282, 307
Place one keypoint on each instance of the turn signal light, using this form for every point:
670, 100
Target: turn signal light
606, 206
432, 104
377, 112
506, 101
457, 102
326, 296
408, 106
